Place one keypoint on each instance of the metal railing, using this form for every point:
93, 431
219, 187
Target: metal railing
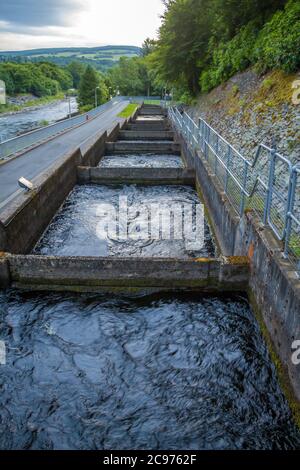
268, 185
17, 144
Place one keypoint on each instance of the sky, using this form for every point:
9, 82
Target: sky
31, 24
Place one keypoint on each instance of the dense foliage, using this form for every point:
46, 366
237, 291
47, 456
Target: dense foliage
133, 77
43, 79
204, 42
92, 83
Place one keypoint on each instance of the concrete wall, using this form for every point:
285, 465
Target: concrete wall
88, 274
28, 215
145, 135
149, 176
93, 149
273, 286
158, 148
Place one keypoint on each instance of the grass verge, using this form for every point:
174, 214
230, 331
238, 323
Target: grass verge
128, 111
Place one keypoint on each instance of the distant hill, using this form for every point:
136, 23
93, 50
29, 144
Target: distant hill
102, 58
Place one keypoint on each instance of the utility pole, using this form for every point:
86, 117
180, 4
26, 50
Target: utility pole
96, 97
70, 112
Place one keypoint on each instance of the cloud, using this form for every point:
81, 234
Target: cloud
38, 13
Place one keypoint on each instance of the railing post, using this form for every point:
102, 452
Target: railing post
243, 196
270, 188
216, 148
199, 139
292, 194
227, 168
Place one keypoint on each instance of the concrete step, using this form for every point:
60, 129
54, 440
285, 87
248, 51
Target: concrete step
146, 135
143, 176
152, 112
122, 147
148, 126
95, 274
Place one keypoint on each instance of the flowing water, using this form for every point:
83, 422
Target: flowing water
12, 125
75, 229
91, 372
141, 161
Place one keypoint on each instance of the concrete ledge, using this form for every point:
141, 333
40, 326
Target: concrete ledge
145, 176
152, 112
146, 135
5, 280
148, 126
136, 147
78, 273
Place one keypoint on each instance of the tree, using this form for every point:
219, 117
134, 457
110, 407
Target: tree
92, 82
194, 38
76, 69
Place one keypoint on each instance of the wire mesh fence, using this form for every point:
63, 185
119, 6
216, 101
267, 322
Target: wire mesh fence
269, 185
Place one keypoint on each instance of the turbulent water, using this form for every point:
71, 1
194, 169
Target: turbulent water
141, 161
75, 229
87, 372
13, 124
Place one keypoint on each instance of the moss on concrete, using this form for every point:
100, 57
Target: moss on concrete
282, 372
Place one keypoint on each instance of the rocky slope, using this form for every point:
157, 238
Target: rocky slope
250, 109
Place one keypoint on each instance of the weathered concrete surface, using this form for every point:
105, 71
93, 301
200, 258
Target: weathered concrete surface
3, 237
29, 214
89, 274
275, 287
273, 283
152, 111
4, 271
145, 135
135, 147
145, 176
94, 148
161, 125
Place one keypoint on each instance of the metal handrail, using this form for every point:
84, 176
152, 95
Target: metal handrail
16, 144
278, 207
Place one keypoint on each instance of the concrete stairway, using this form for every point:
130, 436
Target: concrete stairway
145, 136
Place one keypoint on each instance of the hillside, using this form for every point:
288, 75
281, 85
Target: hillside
101, 58
250, 108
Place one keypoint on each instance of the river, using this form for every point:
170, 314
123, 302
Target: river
13, 124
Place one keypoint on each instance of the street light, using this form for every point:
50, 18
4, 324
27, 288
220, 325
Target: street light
96, 100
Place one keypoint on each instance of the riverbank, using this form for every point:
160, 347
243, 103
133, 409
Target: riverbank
13, 124
36, 103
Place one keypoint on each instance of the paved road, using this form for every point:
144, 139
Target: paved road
36, 161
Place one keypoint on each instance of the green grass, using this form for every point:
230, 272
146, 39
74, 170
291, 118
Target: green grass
128, 111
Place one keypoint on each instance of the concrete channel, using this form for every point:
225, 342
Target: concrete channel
182, 345
58, 270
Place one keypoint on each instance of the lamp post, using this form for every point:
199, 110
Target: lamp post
96, 100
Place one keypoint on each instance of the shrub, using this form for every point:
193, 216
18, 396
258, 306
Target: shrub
275, 46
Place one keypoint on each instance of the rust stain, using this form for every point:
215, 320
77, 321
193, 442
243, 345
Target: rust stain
237, 260
251, 251
204, 260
